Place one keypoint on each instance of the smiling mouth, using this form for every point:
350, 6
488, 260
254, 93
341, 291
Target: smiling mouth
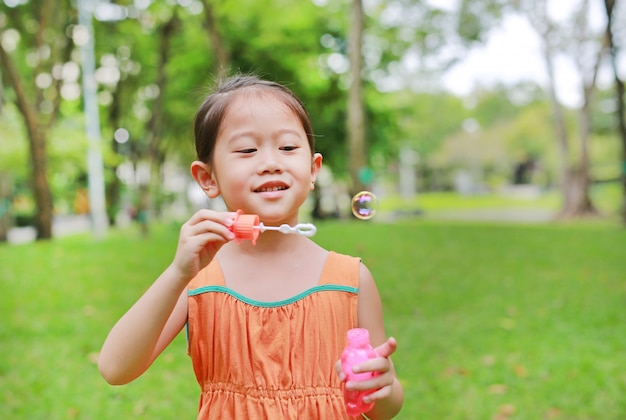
268, 189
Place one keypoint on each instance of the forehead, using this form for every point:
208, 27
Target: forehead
254, 101
261, 108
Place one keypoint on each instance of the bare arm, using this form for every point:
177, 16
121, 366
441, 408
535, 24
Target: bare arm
389, 394
158, 316
144, 331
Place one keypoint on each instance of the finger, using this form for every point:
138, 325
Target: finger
379, 364
224, 218
378, 394
387, 348
206, 222
376, 382
365, 384
212, 239
210, 227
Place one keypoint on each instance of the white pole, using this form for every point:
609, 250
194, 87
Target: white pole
95, 166
408, 159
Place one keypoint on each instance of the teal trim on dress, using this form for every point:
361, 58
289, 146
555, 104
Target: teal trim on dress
322, 288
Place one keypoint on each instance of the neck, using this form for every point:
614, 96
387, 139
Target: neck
270, 242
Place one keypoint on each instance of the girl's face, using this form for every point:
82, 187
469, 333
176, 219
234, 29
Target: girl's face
262, 161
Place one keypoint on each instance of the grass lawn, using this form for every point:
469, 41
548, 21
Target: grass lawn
493, 320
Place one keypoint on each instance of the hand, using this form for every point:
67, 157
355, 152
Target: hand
200, 239
381, 383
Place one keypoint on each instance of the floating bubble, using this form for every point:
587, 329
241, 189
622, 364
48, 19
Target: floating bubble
364, 205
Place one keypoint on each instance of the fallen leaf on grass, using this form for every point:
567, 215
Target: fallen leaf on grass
504, 412
497, 389
520, 371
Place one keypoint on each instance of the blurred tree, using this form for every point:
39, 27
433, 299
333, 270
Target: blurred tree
162, 78
493, 134
585, 48
588, 66
620, 109
356, 114
35, 46
148, 100
216, 39
155, 59
154, 130
6, 195
408, 45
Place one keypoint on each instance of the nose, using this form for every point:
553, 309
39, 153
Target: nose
270, 162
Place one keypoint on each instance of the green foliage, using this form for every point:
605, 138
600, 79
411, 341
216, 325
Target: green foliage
475, 18
14, 156
510, 130
489, 319
531, 132
432, 119
294, 47
66, 159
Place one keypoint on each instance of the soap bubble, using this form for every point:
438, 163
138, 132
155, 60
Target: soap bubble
364, 205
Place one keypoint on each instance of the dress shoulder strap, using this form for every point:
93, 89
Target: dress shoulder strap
211, 275
341, 269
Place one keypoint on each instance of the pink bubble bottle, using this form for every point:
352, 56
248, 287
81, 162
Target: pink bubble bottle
358, 351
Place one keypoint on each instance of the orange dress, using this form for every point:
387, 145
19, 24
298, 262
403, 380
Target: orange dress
272, 360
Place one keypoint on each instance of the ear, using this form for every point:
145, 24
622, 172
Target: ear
316, 165
203, 175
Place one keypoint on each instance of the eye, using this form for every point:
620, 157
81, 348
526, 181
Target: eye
246, 151
288, 148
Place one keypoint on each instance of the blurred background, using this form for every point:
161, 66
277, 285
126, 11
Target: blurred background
491, 131
519, 100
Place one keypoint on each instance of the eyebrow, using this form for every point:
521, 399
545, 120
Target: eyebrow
275, 134
289, 131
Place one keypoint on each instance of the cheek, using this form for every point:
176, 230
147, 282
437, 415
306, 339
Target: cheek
232, 177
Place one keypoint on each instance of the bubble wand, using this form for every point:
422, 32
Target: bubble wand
249, 226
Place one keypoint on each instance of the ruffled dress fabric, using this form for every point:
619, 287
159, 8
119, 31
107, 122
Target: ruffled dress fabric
272, 360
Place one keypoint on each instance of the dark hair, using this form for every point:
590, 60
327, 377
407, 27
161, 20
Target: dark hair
212, 111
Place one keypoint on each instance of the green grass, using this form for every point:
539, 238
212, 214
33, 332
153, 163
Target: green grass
490, 318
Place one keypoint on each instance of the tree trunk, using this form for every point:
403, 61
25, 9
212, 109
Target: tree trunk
356, 114
52, 18
559, 125
37, 144
6, 197
149, 200
578, 201
619, 93
43, 195
215, 38
575, 178
114, 186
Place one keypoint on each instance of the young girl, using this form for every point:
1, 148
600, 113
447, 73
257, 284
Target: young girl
266, 322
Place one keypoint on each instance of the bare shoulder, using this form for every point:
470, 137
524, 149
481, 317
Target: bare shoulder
368, 291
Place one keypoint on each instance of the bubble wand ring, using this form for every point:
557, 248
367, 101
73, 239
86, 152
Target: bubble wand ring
303, 229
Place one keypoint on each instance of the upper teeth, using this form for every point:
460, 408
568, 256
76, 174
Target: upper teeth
271, 189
